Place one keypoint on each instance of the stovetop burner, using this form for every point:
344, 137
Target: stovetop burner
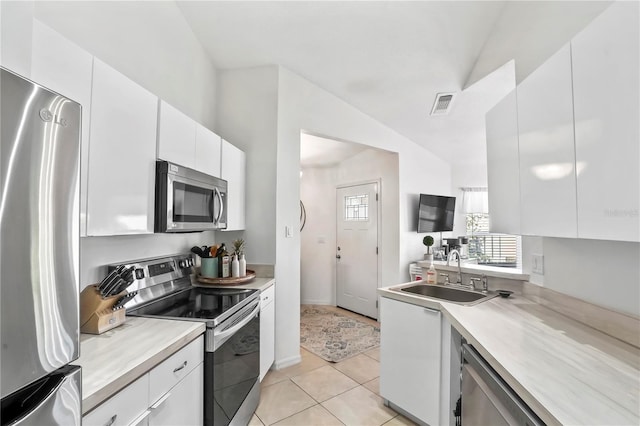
196, 302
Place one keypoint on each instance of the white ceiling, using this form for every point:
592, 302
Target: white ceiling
390, 59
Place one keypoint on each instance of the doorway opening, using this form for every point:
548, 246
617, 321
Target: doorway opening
327, 165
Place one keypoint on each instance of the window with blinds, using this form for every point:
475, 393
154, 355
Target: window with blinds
491, 249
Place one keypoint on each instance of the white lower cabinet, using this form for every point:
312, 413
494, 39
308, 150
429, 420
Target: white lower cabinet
172, 393
182, 405
410, 359
267, 329
129, 406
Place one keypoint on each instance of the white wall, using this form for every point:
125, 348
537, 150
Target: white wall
303, 106
98, 252
606, 273
247, 115
264, 111
151, 44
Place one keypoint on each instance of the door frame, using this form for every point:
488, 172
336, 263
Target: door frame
377, 182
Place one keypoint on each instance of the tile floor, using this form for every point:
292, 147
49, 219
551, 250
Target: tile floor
320, 393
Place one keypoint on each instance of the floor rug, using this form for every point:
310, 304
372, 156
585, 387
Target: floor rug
333, 336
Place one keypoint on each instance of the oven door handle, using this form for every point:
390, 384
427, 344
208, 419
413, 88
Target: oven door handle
218, 336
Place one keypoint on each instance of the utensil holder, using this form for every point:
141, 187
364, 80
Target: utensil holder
96, 313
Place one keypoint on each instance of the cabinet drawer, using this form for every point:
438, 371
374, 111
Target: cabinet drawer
267, 296
123, 408
175, 368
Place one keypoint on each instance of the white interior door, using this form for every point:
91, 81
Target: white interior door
357, 248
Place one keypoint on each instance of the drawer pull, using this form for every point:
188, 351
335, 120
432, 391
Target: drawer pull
112, 420
140, 418
160, 401
184, 364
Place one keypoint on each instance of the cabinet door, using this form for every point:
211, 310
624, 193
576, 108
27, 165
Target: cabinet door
176, 136
63, 67
175, 368
183, 404
122, 155
267, 330
124, 408
606, 85
547, 155
503, 168
208, 146
410, 358
233, 170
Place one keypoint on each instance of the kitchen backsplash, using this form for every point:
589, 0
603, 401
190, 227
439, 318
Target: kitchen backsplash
97, 252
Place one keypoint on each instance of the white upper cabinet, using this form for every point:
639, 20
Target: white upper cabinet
176, 136
63, 67
207, 151
183, 141
503, 171
606, 85
122, 155
546, 144
233, 170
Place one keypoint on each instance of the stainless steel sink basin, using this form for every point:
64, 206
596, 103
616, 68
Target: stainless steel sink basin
450, 294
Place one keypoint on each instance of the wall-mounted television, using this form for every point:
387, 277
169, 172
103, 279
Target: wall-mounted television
435, 213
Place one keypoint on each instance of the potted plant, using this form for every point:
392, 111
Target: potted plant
428, 241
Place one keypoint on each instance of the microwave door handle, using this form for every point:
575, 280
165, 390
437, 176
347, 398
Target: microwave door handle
219, 195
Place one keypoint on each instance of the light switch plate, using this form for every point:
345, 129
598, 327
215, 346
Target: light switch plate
287, 232
537, 264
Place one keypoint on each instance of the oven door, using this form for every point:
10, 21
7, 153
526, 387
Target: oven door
231, 385
189, 200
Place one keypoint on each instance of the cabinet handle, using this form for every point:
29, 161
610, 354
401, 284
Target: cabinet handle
161, 400
112, 420
140, 418
431, 311
184, 364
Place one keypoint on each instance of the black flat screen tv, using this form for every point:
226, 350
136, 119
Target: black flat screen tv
435, 213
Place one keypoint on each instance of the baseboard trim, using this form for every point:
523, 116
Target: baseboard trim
286, 362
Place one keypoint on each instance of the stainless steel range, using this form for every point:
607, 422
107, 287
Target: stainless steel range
232, 337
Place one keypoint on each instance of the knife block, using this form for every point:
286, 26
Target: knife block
96, 314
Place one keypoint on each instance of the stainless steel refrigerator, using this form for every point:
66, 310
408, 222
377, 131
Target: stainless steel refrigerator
39, 255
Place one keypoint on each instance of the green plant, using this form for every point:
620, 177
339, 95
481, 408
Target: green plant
428, 241
238, 246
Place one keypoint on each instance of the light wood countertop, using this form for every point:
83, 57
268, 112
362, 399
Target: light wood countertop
112, 360
566, 372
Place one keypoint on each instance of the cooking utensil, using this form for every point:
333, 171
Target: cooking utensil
197, 250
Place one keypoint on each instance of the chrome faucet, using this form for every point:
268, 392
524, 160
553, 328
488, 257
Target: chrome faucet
457, 253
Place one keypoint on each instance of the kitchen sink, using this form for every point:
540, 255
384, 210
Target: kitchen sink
450, 294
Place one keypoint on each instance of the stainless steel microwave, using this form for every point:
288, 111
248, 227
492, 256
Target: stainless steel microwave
188, 200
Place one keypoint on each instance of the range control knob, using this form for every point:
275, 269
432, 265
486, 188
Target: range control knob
185, 263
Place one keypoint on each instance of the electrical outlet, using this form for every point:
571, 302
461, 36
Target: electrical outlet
537, 264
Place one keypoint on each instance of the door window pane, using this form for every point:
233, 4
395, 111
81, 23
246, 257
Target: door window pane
356, 207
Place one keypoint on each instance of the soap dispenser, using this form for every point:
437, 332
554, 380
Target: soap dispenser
432, 275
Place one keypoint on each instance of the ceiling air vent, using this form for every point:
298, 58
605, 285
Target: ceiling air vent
442, 104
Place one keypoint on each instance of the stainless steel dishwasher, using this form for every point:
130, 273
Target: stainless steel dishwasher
487, 399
